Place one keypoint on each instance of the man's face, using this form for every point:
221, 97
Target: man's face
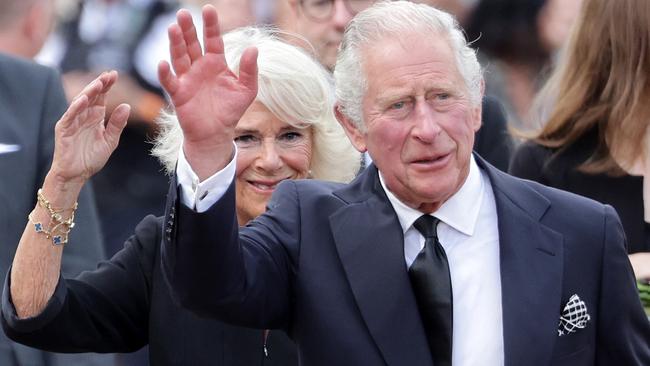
419, 120
326, 34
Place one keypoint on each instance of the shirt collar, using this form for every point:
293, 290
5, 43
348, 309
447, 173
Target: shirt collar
460, 211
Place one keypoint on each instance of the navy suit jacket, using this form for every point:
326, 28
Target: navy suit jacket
125, 304
31, 101
327, 262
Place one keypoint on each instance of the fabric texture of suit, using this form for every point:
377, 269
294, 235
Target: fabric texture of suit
559, 169
327, 261
125, 304
31, 101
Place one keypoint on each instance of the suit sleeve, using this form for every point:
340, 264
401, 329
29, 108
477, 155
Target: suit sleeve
240, 277
623, 328
106, 310
86, 246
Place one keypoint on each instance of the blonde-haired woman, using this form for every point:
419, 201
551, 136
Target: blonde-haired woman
289, 132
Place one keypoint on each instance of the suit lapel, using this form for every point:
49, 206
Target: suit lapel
368, 237
531, 257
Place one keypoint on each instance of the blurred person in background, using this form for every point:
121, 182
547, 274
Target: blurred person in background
31, 100
458, 8
321, 23
25, 25
596, 139
516, 40
289, 132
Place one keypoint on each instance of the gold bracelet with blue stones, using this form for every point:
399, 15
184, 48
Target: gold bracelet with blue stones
58, 228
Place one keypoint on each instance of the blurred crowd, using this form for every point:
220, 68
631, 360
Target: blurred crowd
521, 45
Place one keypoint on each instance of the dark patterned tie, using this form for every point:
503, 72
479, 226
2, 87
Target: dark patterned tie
431, 283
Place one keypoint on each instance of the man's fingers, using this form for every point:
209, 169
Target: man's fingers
184, 20
248, 69
168, 81
178, 50
116, 123
211, 34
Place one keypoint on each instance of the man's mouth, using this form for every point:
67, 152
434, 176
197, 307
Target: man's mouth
432, 161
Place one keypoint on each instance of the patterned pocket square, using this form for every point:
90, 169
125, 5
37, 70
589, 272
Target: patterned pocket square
574, 316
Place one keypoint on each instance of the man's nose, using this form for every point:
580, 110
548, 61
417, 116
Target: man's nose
426, 125
341, 16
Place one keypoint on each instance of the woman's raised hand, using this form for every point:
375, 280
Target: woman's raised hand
208, 97
83, 140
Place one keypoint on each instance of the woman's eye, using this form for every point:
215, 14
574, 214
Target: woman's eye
290, 136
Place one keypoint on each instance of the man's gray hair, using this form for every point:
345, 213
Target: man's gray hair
296, 89
394, 19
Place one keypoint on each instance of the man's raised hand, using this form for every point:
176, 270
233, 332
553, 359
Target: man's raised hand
209, 99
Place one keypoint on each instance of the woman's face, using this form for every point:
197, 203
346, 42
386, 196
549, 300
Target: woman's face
269, 151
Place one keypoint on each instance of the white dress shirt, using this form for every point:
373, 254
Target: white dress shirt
468, 232
202, 195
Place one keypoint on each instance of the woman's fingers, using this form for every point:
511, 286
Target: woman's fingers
108, 79
116, 123
92, 95
79, 104
91, 89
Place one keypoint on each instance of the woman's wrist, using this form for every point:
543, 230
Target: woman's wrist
61, 193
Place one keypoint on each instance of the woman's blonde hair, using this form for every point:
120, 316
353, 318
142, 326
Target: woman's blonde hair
602, 82
296, 89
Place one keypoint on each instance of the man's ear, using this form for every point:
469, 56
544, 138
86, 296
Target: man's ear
477, 111
356, 136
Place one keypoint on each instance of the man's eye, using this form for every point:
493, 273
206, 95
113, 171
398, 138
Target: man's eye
443, 96
319, 3
398, 105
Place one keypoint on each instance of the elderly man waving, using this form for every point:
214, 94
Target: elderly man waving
431, 256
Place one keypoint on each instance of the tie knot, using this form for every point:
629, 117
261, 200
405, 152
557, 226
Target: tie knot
427, 225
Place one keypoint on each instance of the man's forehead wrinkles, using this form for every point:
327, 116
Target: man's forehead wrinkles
417, 79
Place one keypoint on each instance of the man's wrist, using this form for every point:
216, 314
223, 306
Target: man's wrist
206, 161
